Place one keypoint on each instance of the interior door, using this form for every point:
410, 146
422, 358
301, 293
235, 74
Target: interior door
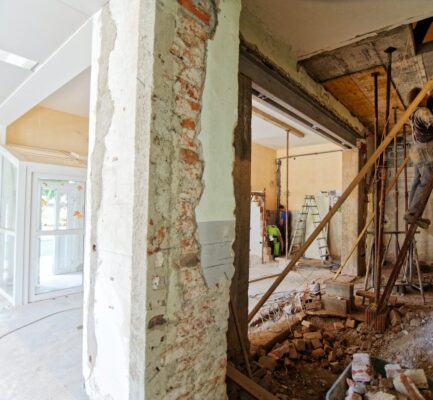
57, 236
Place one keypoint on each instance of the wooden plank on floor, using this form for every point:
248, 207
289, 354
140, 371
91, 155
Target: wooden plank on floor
248, 384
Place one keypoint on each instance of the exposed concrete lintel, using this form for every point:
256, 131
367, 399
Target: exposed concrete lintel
270, 82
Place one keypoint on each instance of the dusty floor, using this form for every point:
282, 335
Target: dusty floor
40, 350
306, 272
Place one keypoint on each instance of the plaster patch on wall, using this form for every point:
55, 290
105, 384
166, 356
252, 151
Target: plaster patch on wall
218, 122
216, 238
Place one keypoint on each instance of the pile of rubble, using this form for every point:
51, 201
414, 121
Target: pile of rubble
394, 383
316, 350
325, 348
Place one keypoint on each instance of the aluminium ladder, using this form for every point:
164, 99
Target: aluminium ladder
298, 236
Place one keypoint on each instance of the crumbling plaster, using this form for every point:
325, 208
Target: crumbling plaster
153, 328
257, 37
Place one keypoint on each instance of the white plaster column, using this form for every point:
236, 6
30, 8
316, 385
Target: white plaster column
153, 328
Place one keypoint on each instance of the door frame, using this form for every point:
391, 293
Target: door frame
32, 222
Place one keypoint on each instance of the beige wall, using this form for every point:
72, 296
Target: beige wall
311, 175
51, 129
264, 173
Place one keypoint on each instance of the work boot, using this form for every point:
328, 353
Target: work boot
423, 223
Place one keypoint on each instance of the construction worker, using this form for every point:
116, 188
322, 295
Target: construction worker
282, 224
275, 241
421, 155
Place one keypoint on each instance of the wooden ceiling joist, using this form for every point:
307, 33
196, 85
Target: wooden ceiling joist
275, 121
356, 92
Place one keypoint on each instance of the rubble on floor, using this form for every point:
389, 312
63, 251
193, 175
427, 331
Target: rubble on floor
316, 350
364, 381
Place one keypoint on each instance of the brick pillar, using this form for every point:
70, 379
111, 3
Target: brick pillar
154, 327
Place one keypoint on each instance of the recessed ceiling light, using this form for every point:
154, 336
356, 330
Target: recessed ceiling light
16, 60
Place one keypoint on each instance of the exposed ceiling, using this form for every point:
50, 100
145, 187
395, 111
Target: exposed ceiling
269, 135
313, 26
36, 29
356, 92
408, 67
73, 98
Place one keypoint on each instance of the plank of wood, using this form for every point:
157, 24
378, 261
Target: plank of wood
393, 300
370, 162
241, 342
248, 384
275, 121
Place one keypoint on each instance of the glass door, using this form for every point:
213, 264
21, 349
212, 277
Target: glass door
8, 201
57, 236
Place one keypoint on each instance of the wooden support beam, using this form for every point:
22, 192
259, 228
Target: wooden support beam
275, 121
370, 162
241, 245
248, 384
241, 341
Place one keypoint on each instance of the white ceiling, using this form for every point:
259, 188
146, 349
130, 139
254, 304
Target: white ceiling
313, 26
73, 98
35, 29
269, 135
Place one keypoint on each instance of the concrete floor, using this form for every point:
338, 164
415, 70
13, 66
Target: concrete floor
40, 350
41, 343
305, 272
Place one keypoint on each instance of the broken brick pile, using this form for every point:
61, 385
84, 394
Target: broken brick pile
310, 344
317, 350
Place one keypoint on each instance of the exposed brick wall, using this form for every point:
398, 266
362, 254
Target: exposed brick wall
153, 328
186, 350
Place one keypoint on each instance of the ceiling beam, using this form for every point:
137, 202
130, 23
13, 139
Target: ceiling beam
278, 123
421, 29
296, 102
69, 60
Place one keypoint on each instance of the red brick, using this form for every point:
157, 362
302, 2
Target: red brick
193, 9
188, 123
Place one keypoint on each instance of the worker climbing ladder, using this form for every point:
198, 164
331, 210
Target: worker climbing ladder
310, 206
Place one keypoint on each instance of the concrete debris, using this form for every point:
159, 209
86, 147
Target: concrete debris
418, 377
367, 384
339, 289
361, 367
392, 370
316, 346
336, 304
404, 385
